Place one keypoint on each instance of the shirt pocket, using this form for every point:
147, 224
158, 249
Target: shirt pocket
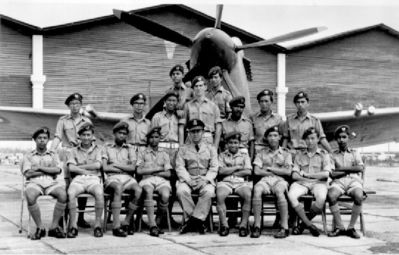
70, 132
208, 118
279, 160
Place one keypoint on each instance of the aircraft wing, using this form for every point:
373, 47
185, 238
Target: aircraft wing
370, 129
18, 123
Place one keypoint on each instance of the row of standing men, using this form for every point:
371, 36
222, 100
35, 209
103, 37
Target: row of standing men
176, 154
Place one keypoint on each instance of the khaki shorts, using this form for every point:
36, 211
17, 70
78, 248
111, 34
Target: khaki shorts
124, 179
346, 184
272, 184
233, 186
156, 182
85, 183
44, 184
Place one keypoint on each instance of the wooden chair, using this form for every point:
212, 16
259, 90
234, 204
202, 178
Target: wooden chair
143, 211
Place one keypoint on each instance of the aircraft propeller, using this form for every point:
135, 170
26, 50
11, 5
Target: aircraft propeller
218, 19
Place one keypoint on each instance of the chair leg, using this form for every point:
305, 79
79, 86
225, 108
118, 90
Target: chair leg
362, 224
210, 215
139, 216
324, 219
21, 215
29, 226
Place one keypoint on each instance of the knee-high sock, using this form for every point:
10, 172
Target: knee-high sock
301, 213
72, 213
337, 216
59, 210
356, 210
314, 210
149, 206
283, 207
130, 212
245, 210
222, 215
34, 211
99, 208
257, 209
116, 212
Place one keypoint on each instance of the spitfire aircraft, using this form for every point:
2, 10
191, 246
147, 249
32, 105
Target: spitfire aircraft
211, 47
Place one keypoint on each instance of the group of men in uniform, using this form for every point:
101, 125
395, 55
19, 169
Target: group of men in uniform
200, 146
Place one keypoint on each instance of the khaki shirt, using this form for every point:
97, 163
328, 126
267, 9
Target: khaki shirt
80, 156
125, 154
138, 130
350, 157
280, 158
34, 158
206, 110
151, 159
294, 128
221, 97
228, 159
262, 123
316, 163
185, 94
169, 126
67, 129
190, 162
243, 126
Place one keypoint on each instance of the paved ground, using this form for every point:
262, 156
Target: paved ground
381, 217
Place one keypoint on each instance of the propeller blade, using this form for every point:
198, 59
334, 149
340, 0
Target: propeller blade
153, 28
282, 38
218, 19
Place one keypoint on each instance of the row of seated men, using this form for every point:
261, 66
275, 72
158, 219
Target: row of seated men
198, 167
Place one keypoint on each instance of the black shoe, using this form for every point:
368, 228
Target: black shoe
337, 232
242, 232
72, 233
224, 231
119, 232
83, 224
255, 233
56, 232
351, 232
185, 228
128, 229
298, 230
39, 234
314, 230
97, 232
154, 231
201, 228
283, 233
276, 223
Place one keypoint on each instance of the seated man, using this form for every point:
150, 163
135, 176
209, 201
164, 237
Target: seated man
272, 164
119, 164
196, 168
346, 180
310, 173
154, 165
40, 168
84, 162
235, 169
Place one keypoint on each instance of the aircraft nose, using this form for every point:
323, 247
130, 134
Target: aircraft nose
208, 35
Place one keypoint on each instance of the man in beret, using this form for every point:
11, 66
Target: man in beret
184, 93
119, 165
297, 123
155, 168
235, 170
138, 124
217, 93
40, 168
265, 118
237, 122
272, 165
311, 170
66, 133
196, 168
347, 179
84, 163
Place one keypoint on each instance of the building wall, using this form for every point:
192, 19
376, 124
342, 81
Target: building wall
362, 68
15, 67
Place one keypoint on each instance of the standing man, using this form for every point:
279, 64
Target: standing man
264, 119
40, 168
216, 93
347, 179
138, 124
84, 163
205, 110
184, 93
272, 165
119, 164
66, 133
311, 170
154, 165
196, 167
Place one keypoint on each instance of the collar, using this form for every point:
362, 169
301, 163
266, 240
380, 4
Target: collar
151, 150
90, 149
260, 114
181, 87
318, 151
243, 118
35, 152
307, 116
124, 145
229, 154
205, 99
348, 149
138, 120
69, 116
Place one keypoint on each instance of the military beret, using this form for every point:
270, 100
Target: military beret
85, 127
301, 94
265, 92
176, 68
137, 97
42, 130
74, 96
237, 101
170, 94
232, 135
271, 129
120, 125
195, 124
197, 79
154, 130
310, 131
341, 129
215, 70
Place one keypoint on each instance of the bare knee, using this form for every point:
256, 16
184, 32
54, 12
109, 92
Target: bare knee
31, 197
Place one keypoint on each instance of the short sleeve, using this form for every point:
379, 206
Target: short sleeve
26, 164
258, 160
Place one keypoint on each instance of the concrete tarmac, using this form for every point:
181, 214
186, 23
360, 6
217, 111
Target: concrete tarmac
381, 213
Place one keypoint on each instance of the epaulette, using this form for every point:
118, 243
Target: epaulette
64, 117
